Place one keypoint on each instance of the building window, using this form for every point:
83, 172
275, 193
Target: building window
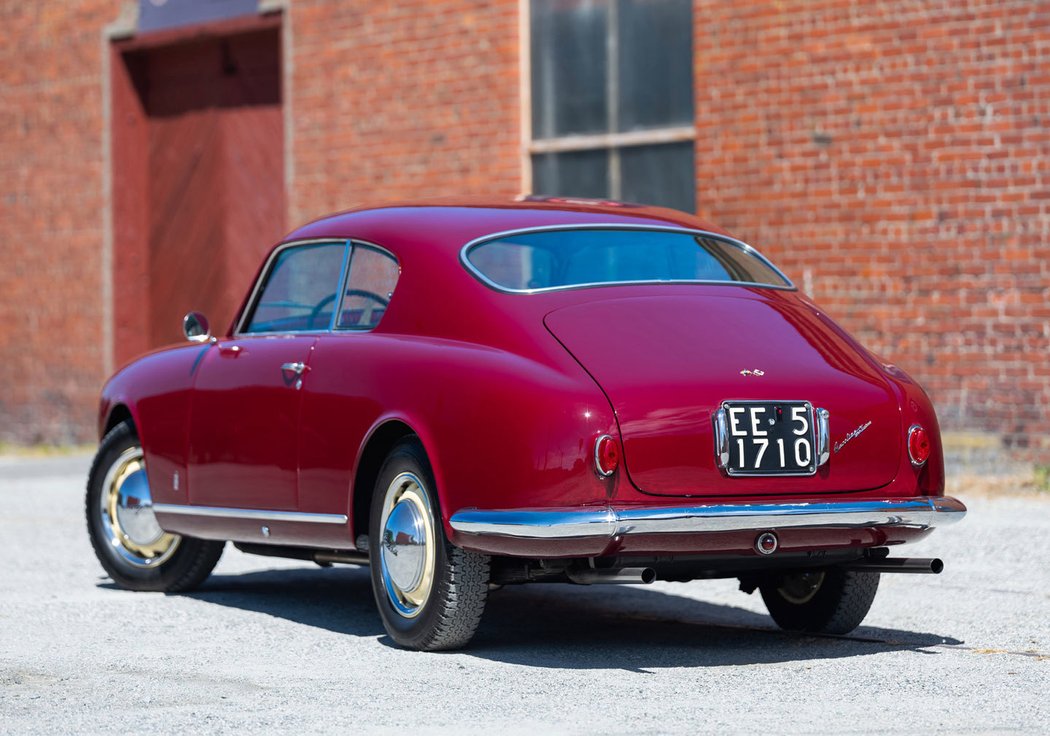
612, 100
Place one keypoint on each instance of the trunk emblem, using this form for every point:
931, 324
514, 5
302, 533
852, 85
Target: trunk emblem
755, 372
852, 435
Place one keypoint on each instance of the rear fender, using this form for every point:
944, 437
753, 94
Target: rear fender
499, 430
916, 408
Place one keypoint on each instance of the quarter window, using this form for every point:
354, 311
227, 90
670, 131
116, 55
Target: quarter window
612, 100
369, 288
300, 290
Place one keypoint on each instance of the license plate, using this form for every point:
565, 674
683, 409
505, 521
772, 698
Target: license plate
769, 438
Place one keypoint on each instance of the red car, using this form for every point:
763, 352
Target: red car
466, 394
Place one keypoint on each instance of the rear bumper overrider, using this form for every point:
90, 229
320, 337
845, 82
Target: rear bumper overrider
609, 522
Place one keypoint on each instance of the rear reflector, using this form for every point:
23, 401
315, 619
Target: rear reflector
606, 456
918, 445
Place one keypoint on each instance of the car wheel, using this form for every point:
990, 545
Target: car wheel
827, 601
133, 549
430, 593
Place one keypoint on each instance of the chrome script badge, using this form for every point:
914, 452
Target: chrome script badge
852, 435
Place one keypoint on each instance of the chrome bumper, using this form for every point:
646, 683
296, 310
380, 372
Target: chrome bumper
924, 512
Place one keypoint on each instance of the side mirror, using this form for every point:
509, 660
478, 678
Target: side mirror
195, 327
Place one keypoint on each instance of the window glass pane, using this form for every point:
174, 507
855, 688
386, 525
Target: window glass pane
300, 289
507, 263
571, 258
373, 275
569, 67
655, 63
575, 174
662, 175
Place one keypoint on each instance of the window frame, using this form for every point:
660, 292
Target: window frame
345, 282
349, 246
612, 142
464, 259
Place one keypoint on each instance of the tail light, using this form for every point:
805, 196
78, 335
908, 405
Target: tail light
606, 456
918, 445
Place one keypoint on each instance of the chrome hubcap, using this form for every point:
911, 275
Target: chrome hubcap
135, 510
407, 549
126, 511
405, 545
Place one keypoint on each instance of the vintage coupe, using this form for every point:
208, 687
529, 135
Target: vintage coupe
473, 393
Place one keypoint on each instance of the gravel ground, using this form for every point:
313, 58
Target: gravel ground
270, 645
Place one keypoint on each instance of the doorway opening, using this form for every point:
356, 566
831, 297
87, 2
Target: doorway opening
198, 174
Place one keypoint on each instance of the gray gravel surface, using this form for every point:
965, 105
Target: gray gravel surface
268, 645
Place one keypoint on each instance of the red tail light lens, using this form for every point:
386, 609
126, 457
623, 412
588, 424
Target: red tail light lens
606, 456
918, 445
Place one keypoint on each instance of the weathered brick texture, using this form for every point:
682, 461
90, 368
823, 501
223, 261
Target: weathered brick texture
51, 211
894, 157
403, 100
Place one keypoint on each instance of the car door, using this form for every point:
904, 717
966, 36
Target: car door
341, 400
246, 401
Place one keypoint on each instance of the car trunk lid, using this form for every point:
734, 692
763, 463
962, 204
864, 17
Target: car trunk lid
667, 363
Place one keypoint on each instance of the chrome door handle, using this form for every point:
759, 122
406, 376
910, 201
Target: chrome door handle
293, 374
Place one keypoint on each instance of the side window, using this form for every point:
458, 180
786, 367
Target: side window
373, 275
300, 290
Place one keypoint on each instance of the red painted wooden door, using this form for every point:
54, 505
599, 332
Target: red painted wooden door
215, 175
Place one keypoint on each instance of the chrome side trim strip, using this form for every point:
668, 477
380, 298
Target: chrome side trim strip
924, 512
219, 512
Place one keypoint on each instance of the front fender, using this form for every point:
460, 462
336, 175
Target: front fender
155, 390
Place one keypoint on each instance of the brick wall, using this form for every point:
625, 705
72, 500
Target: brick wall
403, 100
894, 157
51, 218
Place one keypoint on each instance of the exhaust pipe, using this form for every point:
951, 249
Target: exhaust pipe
621, 576
919, 565
343, 558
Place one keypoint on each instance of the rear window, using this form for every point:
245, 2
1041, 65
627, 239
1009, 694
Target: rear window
566, 259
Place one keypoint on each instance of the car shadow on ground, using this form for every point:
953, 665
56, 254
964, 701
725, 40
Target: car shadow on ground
564, 626
337, 598
640, 629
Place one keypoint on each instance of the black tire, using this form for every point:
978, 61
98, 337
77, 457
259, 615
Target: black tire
829, 601
449, 607
180, 563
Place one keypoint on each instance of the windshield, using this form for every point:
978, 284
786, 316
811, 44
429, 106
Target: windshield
565, 259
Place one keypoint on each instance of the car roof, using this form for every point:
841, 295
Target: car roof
444, 299
452, 222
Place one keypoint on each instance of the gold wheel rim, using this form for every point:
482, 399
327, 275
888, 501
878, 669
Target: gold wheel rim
140, 553
410, 600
